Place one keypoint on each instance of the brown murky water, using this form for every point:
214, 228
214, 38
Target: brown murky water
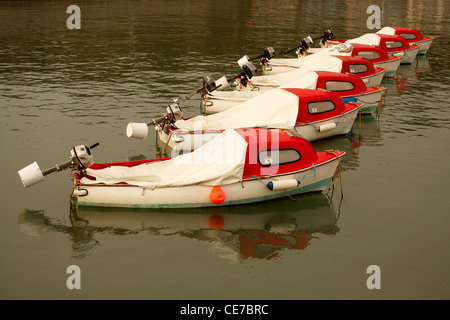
61, 87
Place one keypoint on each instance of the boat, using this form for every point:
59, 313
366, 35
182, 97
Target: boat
392, 44
412, 36
236, 167
358, 66
314, 114
376, 55
347, 86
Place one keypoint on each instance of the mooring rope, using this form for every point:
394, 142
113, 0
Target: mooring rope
338, 169
77, 183
203, 108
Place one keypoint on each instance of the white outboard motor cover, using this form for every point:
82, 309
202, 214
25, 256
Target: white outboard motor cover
82, 156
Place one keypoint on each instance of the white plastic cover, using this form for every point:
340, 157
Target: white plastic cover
342, 49
237, 95
309, 63
321, 63
220, 161
307, 80
289, 62
276, 108
370, 39
387, 30
304, 80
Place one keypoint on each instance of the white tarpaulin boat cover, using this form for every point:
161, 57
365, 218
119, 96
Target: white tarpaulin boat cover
314, 63
276, 108
387, 30
220, 161
307, 77
370, 39
307, 80
304, 80
342, 49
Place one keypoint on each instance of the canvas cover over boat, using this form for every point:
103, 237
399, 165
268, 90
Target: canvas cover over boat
412, 36
220, 161
387, 30
313, 63
307, 79
370, 39
276, 108
318, 58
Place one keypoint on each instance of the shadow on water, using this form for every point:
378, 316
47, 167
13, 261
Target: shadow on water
260, 231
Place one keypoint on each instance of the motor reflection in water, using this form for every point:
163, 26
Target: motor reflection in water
261, 231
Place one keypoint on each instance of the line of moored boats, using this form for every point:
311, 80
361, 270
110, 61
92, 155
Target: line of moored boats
252, 139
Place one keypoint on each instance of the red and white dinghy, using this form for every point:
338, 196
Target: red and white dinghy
376, 55
413, 36
314, 114
357, 66
345, 85
236, 167
392, 44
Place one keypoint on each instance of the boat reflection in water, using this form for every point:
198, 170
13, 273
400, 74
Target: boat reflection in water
237, 233
36, 223
408, 77
365, 132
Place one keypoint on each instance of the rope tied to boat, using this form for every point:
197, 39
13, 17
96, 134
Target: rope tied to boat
308, 122
76, 184
358, 104
255, 176
338, 169
203, 107
168, 141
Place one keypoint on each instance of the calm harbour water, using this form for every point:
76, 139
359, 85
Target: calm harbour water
61, 87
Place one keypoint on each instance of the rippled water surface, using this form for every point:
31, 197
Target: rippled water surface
61, 87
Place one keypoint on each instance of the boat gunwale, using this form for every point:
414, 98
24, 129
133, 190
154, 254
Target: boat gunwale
333, 157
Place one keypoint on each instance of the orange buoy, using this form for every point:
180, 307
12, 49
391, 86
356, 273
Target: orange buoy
217, 196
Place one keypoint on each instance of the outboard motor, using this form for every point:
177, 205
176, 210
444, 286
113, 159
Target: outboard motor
268, 54
249, 70
302, 49
140, 130
80, 158
209, 84
328, 35
174, 113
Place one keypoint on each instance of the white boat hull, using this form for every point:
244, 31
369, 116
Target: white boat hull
186, 141
408, 55
224, 100
374, 80
424, 45
370, 101
391, 66
313, 179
